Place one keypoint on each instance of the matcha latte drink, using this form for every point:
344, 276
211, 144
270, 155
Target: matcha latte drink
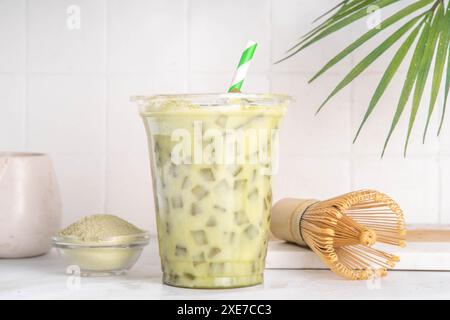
212, 157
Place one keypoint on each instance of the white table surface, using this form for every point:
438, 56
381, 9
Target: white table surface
44, 278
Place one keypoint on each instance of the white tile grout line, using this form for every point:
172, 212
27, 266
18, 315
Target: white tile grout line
268, 73
26, 84
106, 105
188, 45
352, 120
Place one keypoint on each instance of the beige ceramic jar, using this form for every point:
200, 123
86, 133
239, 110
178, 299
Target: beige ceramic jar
30, 206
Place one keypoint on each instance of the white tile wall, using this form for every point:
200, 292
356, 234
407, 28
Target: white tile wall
147, 35
66, 118
292, 19
412, 183
373, 135
66, 92
12, 106
219, 31
304, 133
215, 82
128, 184
315, 177
81, 179
12, 35
66, 114
363, 25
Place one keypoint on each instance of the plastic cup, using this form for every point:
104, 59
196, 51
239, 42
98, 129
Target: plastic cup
212, 158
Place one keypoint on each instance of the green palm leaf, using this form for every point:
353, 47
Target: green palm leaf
341, 6
447, 83
338, 25
430, 25
371, 33
389, 75
368, 60
345, 10
410, 79
424, 69
438, 66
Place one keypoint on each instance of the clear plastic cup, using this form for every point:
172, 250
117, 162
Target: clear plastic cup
212, 157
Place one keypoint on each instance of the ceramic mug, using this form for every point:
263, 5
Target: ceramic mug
30, 205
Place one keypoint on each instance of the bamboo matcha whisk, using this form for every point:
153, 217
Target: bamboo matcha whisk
343, 229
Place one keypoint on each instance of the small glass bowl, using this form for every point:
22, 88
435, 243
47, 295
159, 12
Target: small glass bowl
113, 256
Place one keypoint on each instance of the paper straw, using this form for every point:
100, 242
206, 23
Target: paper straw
242, 68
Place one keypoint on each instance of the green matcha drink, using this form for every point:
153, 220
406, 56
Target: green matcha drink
212, 158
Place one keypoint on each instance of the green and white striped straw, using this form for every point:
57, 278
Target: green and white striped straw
242, 68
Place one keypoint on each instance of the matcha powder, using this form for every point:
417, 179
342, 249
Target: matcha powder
99, 227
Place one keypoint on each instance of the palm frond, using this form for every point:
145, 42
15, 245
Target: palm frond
439, 65
428, 26
424, 69
339, 6
369, 59
347, 19
447, 82
389, 75
410, 78
371, 33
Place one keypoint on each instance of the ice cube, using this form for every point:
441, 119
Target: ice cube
253, 195
214, 252
254, 174
251, 232
177, 202
198, 259
221, 121
269, 195
199, 192
266, 204
157, 147
240, 184
229, 236
188, 275
199, 237
186, 183
207, 174
173, 278
195, 209
234, 170
222, 187
211, 222
240, 217
162, 181
180, 251
173, 170
166, 205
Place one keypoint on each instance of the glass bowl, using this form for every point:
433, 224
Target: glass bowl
112, 256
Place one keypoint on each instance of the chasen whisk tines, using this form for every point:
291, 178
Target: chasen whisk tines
343, 229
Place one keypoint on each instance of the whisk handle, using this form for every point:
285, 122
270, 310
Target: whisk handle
286, 218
